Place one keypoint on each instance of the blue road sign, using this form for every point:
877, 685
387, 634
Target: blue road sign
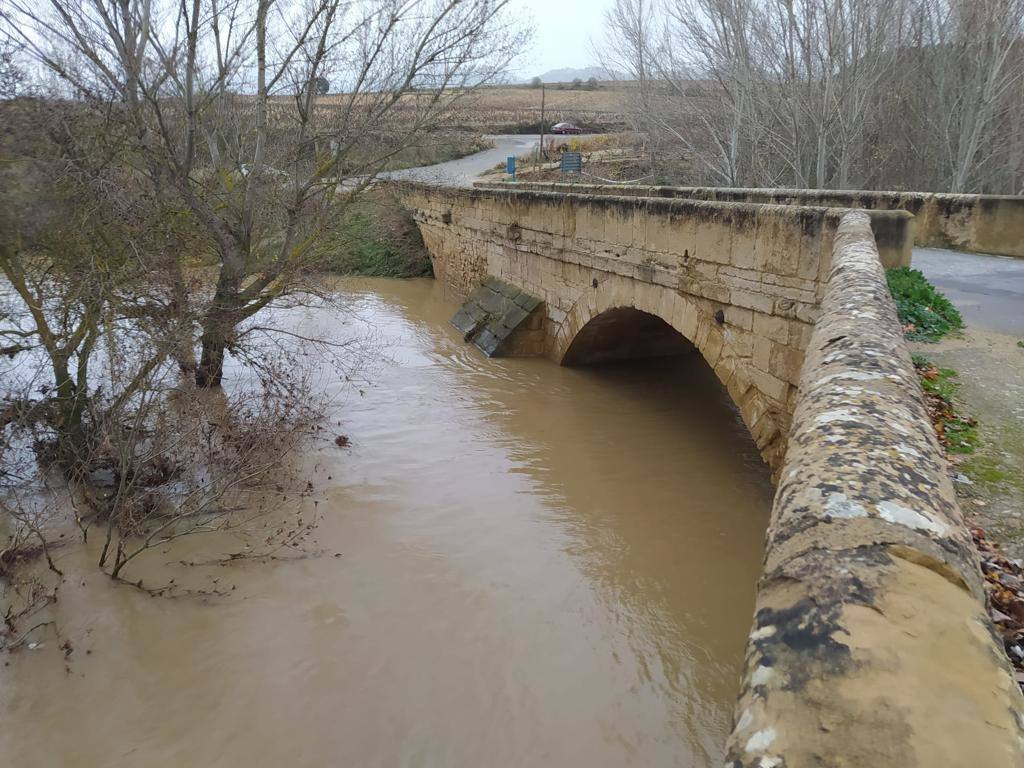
572, 162
510, 166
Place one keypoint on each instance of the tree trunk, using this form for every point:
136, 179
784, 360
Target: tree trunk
72, 441
210, 370
218, 329
221, 317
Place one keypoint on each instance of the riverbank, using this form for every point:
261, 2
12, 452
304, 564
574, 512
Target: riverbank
991, 390
374, 236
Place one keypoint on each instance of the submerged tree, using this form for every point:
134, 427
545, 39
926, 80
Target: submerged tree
223, 122
185, 143
99, 427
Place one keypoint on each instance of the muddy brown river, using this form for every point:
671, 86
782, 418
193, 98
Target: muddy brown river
522, 565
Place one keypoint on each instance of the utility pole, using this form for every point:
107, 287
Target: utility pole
540, 149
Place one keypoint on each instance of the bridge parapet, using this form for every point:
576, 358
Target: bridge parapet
871, 644
975, 223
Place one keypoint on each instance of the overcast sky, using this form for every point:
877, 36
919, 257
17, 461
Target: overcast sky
564, 31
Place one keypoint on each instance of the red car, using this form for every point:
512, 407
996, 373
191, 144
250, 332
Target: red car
566, 128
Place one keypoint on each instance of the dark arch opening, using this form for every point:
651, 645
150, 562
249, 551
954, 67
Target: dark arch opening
625, 333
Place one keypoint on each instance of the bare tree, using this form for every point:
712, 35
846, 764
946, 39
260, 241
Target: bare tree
824, 93
224, 122
979, 67
97, 423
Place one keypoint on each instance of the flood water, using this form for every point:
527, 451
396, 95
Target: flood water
522, 565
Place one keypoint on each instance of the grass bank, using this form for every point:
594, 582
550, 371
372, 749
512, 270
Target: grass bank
956, 431
374, 237
927, 315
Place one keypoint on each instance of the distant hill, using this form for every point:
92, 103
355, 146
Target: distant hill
568, 74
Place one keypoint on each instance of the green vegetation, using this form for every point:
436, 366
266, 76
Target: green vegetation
375, 237
1021, 343
957, 432
987, 470
926, 314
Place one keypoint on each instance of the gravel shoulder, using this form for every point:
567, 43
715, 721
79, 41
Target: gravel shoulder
991, 480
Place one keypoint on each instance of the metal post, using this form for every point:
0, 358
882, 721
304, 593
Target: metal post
540, 150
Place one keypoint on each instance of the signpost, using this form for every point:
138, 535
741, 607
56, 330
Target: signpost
510, 166
572, 163
540, 148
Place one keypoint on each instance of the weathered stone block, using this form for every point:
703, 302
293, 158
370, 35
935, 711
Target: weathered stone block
725, 368
777, 246
771, 386
739, 317
713, 241
786, 363
772, 327
712, 349
762, 353
749, 300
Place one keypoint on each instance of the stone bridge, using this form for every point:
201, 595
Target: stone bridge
871, 643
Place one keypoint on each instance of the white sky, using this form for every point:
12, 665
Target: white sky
565, 30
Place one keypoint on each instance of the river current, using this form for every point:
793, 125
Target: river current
519, 565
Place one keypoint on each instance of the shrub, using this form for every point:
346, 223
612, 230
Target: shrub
926, 314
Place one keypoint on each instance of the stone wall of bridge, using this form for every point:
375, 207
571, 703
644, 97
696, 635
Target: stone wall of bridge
974, 223
741, 282
871, 643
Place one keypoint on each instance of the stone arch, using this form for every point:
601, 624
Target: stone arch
623, 333
695, 321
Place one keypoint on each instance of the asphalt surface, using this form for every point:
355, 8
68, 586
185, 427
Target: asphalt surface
463, 172
988, 290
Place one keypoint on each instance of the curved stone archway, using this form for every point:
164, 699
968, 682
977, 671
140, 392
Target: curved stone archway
625, 333
696, 324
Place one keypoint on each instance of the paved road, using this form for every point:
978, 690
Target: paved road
463, 172
988, 290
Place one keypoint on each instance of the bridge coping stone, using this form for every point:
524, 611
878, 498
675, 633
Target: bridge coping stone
968, 222
871, 644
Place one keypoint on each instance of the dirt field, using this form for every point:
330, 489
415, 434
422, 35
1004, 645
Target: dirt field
516, 109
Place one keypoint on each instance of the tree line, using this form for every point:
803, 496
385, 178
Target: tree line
872, 94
